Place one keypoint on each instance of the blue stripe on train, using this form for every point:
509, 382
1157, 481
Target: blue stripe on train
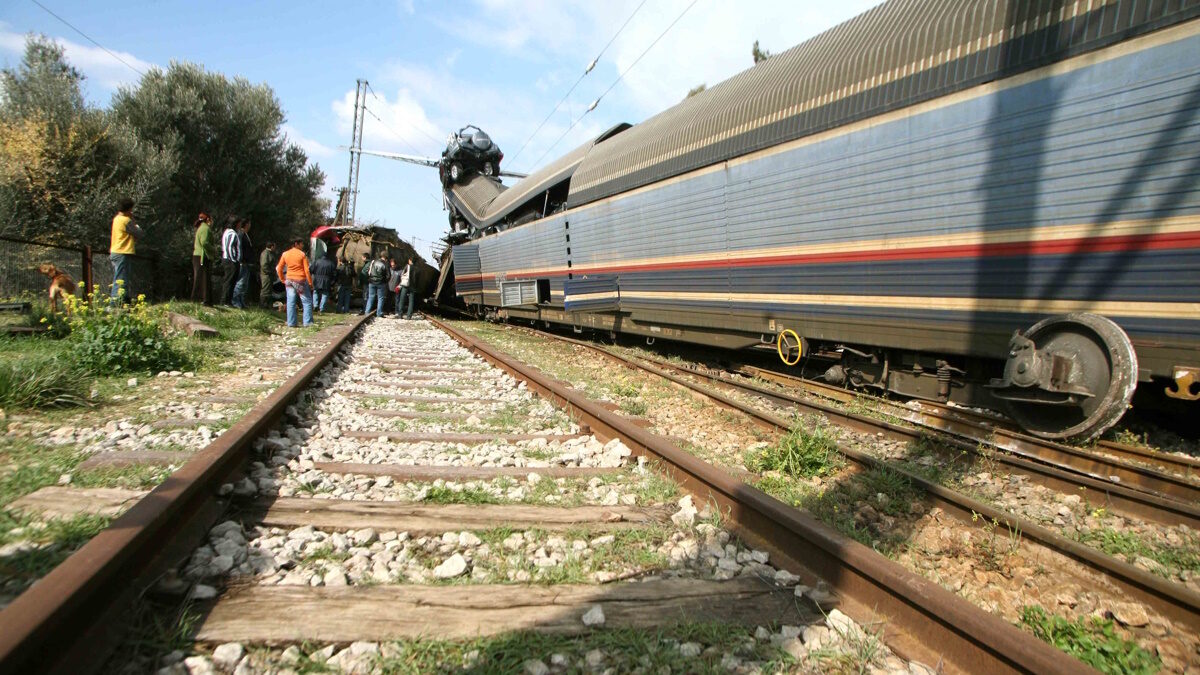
1132, 276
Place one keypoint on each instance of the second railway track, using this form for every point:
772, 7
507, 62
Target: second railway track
395, 500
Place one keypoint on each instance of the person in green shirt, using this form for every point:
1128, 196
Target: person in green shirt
202, 259
266, 274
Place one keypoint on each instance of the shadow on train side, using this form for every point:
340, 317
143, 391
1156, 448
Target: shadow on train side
1112, 158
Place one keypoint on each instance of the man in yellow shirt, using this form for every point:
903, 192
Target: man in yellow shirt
124, 236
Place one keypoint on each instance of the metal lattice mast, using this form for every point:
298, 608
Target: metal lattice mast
360, 108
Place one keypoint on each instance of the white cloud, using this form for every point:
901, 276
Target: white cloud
313, 148
96, 64
708, 45
399, 123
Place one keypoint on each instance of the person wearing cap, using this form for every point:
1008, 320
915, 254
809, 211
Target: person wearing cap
202, 259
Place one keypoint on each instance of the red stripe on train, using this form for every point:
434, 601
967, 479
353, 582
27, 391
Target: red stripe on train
1141, 242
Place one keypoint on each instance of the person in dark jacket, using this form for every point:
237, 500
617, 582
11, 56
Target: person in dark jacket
345, 285
324, 270
266, 275
231, 257
393, 284
245, 250
363, 283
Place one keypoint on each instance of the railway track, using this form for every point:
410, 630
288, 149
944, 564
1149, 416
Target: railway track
1160, 473
342, 531
1157, 497
1173, 600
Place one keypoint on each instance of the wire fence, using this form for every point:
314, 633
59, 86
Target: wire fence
22, 276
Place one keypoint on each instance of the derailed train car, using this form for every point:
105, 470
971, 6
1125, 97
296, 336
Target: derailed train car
375, 240
991, 203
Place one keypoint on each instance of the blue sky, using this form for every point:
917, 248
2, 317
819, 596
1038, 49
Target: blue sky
434, 67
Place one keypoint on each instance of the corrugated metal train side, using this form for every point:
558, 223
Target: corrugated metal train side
938, 228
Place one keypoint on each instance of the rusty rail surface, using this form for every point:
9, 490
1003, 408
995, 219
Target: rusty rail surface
1003, 436
1116, 497
1173, 600
1144, 504
69, 620
924, 621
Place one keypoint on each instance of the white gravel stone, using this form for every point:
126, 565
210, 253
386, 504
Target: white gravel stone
198, 665
535, 667
226, 656
594, 616
690, 650
453, 566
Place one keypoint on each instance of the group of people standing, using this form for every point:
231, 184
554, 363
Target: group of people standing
234, 252
382, 277
310, 284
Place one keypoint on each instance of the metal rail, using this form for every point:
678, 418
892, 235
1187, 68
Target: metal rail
74, 615
999, 434
1174, 601
924, 620
1144, 504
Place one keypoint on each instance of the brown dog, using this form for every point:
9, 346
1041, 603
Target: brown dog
61, 285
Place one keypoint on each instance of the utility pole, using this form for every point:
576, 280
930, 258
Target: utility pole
347, 214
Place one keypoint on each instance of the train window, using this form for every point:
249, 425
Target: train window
568, 250
543, 291
568, 238
566, 225
568, 263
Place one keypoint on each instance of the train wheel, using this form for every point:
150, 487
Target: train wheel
456, 172
1104, 363
488, 169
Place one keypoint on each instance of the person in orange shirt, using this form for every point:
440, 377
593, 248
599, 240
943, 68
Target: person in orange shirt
293, 272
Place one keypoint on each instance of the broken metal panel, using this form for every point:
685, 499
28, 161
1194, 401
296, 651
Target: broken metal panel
600, 293
473, 197
468, 280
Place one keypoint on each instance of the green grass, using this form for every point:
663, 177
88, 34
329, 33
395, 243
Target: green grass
800, 454
470, 495
58, 538
230, 324
1093, 641
155, 629
625, 649
835, 503
325, 553
28, 466
42, 383
1173, 559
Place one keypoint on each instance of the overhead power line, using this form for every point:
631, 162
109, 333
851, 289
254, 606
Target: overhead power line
596, 102
371, 91
88, 38
395, 133
586, 70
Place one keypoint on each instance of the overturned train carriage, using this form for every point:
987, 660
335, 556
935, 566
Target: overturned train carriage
903, 192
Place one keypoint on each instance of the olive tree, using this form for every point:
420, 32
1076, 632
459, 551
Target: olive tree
64, 165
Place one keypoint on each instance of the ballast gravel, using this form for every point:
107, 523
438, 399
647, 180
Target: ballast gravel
691, 544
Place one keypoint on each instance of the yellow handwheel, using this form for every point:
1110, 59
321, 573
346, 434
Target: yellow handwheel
787, 343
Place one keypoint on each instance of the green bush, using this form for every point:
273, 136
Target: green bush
801, 454
41, 383
110, 339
